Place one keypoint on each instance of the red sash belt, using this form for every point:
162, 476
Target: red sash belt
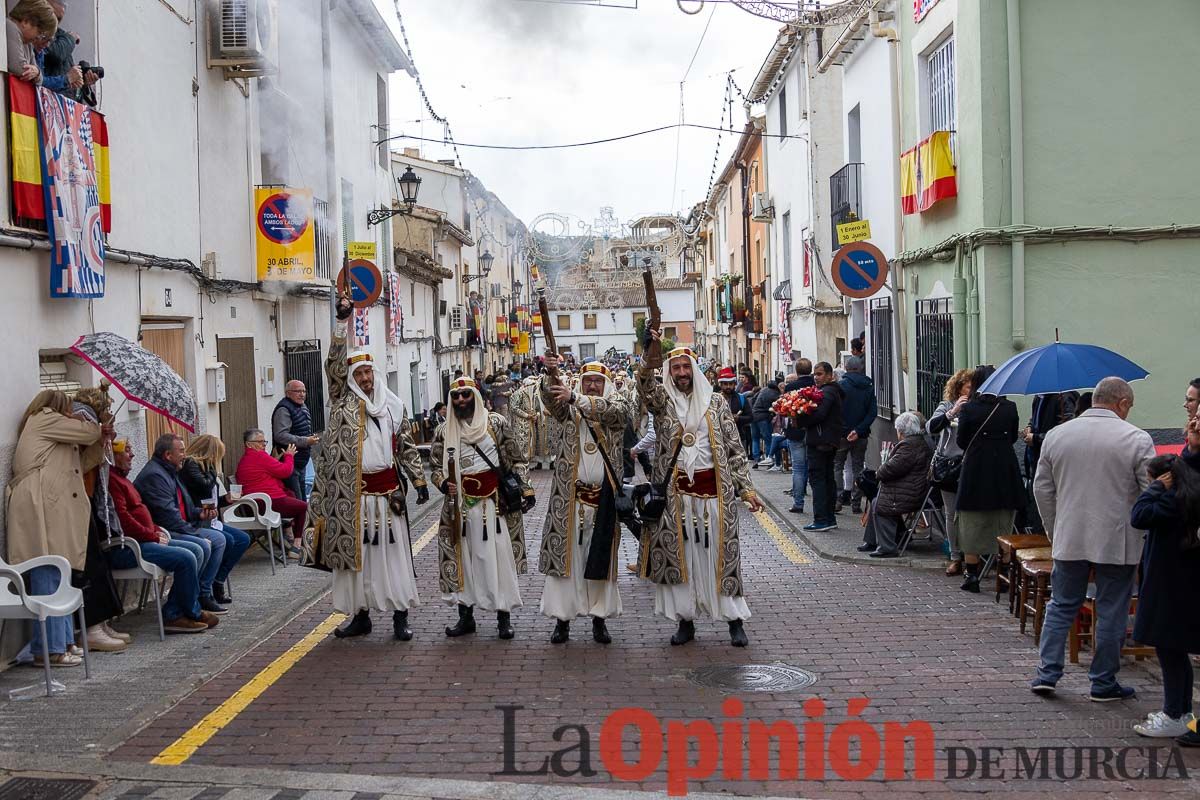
586, 493
480, 484
704, 484
383, 482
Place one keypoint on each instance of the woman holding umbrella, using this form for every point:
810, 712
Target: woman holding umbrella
990, 489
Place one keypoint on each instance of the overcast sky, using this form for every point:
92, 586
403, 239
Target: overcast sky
529, 72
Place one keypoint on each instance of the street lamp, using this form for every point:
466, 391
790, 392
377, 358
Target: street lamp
517, 287
410, 184
485, 261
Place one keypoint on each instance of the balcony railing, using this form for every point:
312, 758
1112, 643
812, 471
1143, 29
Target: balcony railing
845, 197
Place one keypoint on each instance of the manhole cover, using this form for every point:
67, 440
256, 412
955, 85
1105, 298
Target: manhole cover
754, 678
44, 789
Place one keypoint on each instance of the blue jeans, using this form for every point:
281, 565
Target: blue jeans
214, 553
60, 631
1069, 582
184, 599
236, 543
799, 472
761, 431
198, 552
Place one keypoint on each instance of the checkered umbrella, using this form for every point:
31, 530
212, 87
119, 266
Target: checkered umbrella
141, 376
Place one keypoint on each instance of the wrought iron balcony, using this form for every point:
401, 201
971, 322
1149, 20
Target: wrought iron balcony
845, 197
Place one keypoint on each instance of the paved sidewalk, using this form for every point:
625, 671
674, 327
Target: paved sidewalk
129, 689
839, 544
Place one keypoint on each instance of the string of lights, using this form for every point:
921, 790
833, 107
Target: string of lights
720, 129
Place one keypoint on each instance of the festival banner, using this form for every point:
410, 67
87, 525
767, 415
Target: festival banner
522, 347
285, 242
72, 197
514, 329
362, 327
395, 311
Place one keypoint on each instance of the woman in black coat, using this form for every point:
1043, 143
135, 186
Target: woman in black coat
903, 486
990, 489
1168, 617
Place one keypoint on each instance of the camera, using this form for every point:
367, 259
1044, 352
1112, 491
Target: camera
96, 70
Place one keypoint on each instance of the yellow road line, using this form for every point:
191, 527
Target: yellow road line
784, 542
186, 745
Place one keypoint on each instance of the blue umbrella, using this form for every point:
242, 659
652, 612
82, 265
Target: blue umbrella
1060, 367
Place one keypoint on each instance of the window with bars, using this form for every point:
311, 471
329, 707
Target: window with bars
347, 213
783, 128
940, 81
882, 365
935, 352
323, 233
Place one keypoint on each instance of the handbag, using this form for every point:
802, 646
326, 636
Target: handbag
652, 500
944, 470
623, 500
510, 495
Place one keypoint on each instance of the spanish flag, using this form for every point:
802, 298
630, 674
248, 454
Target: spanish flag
537, 320
103, 173
936, 163
501, 327
514, 328
908, 181
28, 200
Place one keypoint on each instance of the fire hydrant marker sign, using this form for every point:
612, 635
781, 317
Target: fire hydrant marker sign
286, 243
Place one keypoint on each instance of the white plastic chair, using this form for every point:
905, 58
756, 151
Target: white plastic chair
143, 572
244, 515
66, 600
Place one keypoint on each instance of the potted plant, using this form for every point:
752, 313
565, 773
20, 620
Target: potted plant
739, 309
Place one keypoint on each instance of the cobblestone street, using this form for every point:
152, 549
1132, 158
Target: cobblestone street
908, 640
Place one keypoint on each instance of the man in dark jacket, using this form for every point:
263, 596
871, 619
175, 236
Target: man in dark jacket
291, 424
763, 416
172, 508
795, 438
858, 413
903, 485
823, 432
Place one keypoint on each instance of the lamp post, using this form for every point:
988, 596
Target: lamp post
410, 185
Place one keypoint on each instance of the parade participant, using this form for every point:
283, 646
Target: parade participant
358, 523
473, 453
582, 534
693, 552
531, 424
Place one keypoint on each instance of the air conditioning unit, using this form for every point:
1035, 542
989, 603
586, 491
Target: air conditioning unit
458, 318
763, 211
244, 37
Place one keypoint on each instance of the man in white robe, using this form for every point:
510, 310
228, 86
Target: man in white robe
578, 581
693, 554
481, 546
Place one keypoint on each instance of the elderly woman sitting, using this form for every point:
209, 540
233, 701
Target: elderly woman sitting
903, 484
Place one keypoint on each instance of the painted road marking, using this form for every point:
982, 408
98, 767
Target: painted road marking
784, 542
186, 746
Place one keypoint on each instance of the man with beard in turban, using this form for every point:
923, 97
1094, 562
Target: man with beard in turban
356, 509
481, 547
582, 534
693, 553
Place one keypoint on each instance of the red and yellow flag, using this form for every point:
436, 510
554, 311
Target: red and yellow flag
908, 181
103, 173
28, 200
938, 178
927, 173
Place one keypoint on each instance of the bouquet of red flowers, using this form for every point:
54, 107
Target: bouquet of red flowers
800, 401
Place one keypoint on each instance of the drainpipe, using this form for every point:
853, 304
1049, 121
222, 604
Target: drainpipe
333, 195
958, 307
1016, 132
973, 335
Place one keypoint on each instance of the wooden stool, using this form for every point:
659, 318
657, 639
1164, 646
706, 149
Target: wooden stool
1081, 628
1035, 592
1128, 647
1005, 569
1016, 577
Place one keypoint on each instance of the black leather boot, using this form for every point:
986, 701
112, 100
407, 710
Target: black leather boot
971, 582
400, 625
466, 622
504, 625
562, 632
737, 634
600, 631
686, 632
359, 626
221, 594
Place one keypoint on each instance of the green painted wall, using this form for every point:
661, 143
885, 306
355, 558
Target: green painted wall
1110, 114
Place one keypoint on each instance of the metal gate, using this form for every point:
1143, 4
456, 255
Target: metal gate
302, 362
882, 370
935, 352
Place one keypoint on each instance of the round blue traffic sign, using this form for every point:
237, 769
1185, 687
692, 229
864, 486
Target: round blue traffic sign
361, 281
859, 270
283, 218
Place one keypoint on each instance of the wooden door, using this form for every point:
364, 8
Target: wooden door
240, 409
165, 340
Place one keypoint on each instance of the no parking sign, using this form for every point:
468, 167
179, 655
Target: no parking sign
859, 270
361, 280
284, 238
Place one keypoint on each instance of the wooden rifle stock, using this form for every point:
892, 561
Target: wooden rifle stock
455, 515
547, 329
654, 319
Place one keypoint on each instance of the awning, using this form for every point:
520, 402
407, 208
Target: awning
783, 291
